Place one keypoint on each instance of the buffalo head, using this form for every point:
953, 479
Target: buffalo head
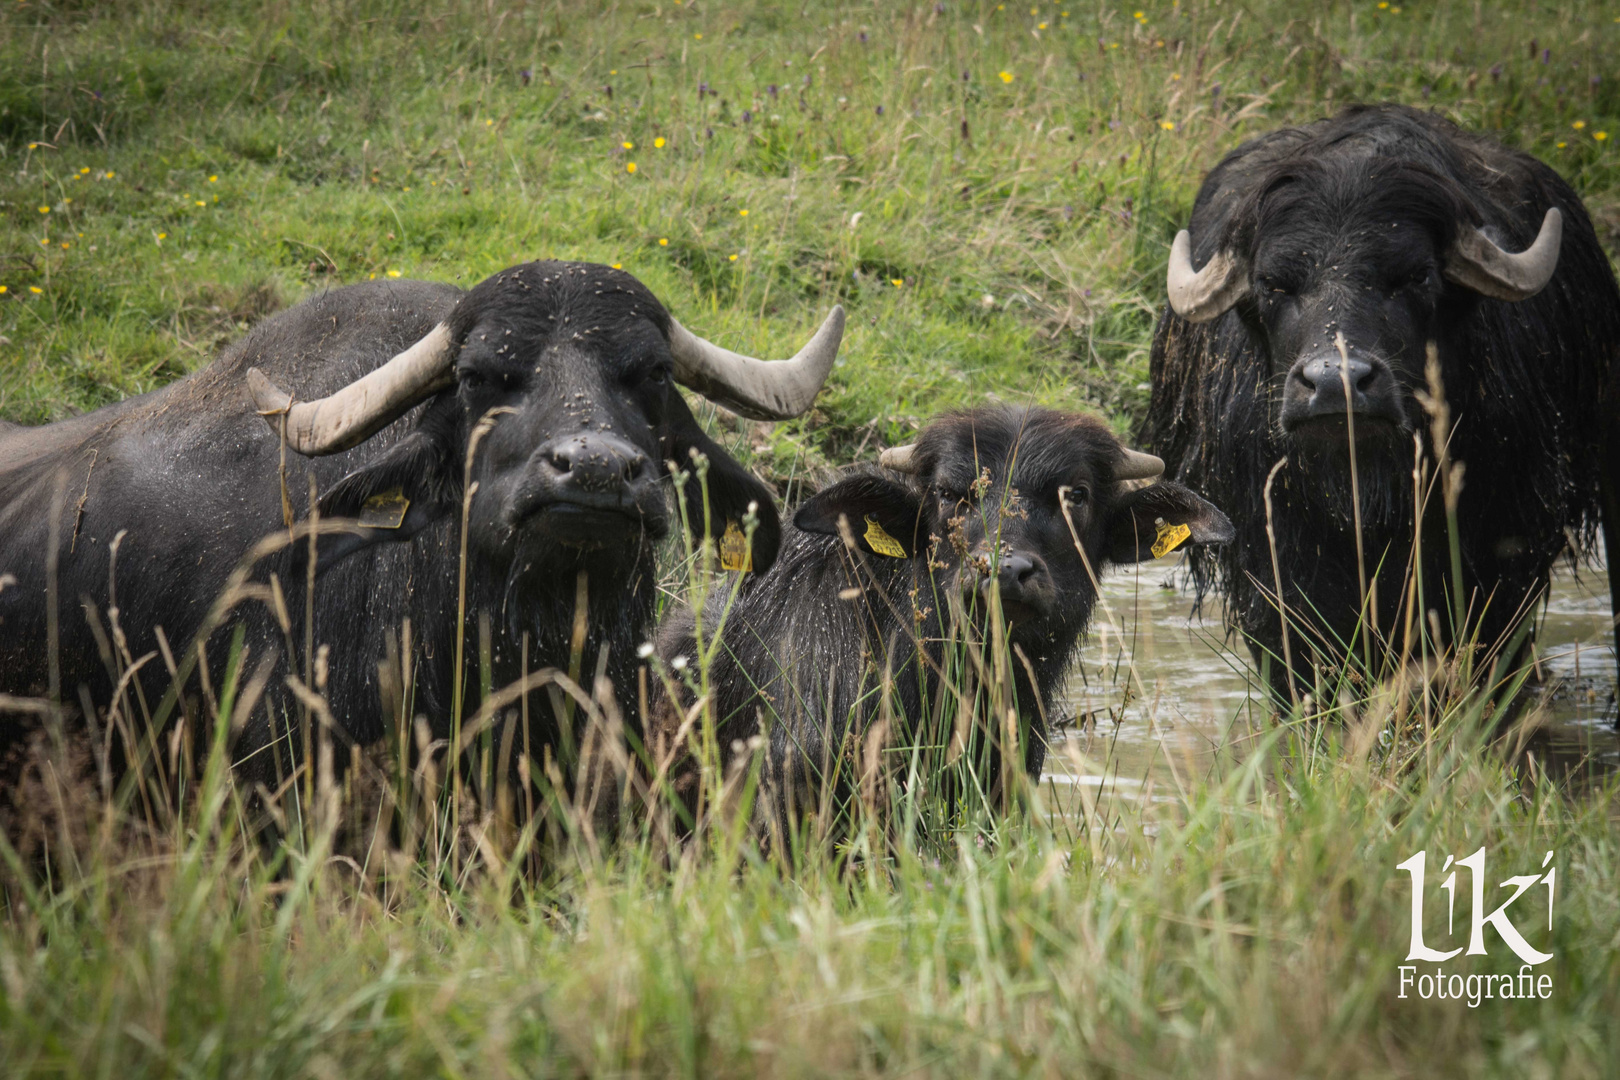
552, 411
1346, 269
1026, 503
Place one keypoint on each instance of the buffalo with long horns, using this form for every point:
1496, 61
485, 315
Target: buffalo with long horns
1346, 291
996, 520
467, 484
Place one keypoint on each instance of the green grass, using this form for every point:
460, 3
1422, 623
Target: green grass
1250, 924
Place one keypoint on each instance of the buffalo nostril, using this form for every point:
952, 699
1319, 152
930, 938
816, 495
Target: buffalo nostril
1015, 571
1369, 382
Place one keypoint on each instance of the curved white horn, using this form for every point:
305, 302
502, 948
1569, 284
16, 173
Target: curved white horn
757, 389
367, 405
1139, 466
1201, 295
1475, 262
898, 458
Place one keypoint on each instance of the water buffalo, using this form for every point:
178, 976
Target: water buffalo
556, 381
1027, 504
1398, 234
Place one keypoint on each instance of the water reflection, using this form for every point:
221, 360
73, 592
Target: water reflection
1194, 690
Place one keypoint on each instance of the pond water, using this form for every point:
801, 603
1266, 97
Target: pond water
1195, 691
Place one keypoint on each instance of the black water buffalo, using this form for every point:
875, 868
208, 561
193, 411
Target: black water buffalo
996, 499
1400, 233
557, 381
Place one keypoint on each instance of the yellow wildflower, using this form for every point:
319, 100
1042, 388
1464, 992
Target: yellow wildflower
658, 143
630, 167
213, 179
1167, 125
1006, 76
1577, 125
2, 290
628, 145
733, 258
44, 209
742, 213
1600, 135
663, 241
35, 289
393, 273
617, 266
897, 282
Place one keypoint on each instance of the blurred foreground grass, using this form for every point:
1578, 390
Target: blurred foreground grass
171, 172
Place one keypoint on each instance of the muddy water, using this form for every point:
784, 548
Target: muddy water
1195, 691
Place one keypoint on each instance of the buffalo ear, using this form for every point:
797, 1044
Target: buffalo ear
392, 499
731, 490
1135, 521
864, 502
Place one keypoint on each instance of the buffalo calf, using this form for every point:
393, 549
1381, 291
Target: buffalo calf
1016, 509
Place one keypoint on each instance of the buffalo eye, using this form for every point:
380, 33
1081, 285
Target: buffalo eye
657, 376
1270, 286
1419, 280
470, 378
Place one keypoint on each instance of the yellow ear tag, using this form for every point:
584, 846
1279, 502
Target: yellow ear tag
1170, 538
881, 542
385, 510
734, 551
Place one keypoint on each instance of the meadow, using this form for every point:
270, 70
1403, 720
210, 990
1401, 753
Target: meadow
990, 190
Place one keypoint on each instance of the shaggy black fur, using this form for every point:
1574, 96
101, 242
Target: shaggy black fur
804, 658
1342, 226
189, 478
